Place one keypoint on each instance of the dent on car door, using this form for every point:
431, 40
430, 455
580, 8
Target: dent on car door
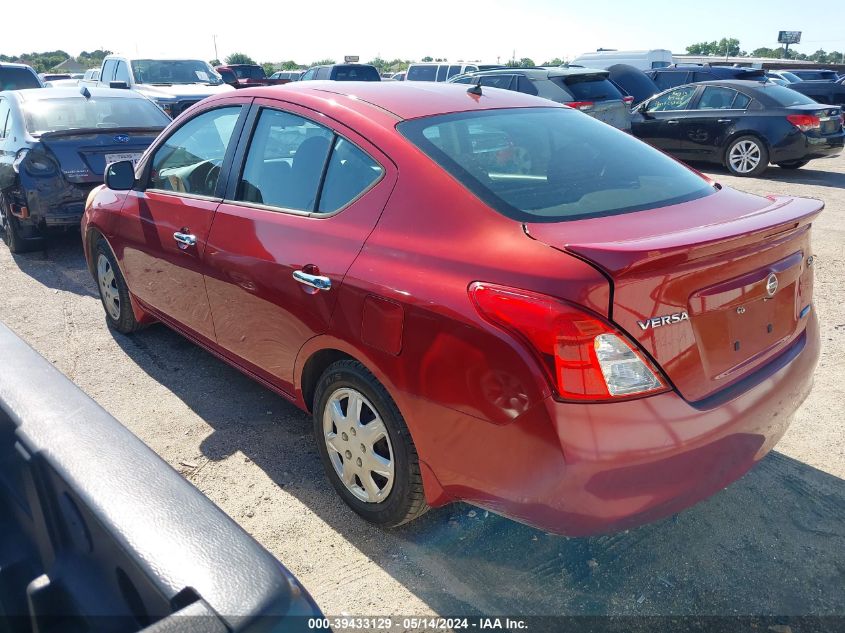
164, 224
278, 220
658, 122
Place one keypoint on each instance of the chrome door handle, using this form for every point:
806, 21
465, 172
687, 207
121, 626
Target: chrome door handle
185, 239
315, 281
672, 122
723, 120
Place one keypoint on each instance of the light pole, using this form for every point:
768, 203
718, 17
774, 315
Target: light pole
214, 37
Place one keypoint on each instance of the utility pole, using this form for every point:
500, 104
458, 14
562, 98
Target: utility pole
214, 37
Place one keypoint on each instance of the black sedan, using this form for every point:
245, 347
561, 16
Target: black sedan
743, 125
54, 147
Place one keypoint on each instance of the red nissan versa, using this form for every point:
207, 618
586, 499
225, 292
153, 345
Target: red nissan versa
486, 297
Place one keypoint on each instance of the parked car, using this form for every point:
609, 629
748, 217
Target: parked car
61, 83
18, 77
400, 76
351, 71
810, 74
783, 76
743, 125
91, 77
624, 338
829, 92
680, 74
632, 82
643, 59
290, 75
45, 77
437, 71
585, 89
172, 84
247, 75
54, 148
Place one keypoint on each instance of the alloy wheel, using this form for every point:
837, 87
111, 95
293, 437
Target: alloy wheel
358, 445
108, 287
744, 156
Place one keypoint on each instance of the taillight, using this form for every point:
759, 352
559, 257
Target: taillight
628, 100
580, 105
805, 122
585, 357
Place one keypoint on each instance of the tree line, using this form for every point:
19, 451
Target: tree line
42, 62
730, 47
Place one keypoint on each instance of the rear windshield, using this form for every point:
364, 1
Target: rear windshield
17, 79
589, 88
422, 73
250, 72
784, 96
355, 73
552, 164
73, 113
827, 75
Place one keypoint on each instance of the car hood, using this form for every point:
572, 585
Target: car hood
192, 91
633, 81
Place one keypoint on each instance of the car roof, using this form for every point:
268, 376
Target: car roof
541, 71
401, 100
39, 94
15, 65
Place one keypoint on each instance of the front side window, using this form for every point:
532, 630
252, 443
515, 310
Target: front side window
675, 100
189, 160
108, 70
552, 164
122, 73
309, 74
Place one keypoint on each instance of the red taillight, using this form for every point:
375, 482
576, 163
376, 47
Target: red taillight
566, 339
804, 122
581, 105
628, 100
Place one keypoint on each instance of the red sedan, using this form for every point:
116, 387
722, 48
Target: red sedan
483, 296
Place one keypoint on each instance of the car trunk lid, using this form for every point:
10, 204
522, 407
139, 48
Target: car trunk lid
701, 299
82, 154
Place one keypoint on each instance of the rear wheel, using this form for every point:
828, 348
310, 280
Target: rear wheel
365, 446
12, 230
746, 156
114, 293
793, 164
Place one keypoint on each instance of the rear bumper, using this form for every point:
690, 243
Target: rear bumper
805, 147
586, 469
56, 204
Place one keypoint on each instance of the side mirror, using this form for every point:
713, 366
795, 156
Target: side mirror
120, 176
119, 84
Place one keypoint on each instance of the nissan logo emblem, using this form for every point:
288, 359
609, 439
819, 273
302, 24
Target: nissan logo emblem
771, 284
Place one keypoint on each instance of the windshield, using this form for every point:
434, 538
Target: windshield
551, 164
786, 97
174, 71
74, 113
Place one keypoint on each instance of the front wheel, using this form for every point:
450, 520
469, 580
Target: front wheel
793, 164
746, 156
365, 446
114, 293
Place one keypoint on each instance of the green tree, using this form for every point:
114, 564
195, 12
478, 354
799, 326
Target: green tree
725, 46
557, 61
323, 62
239, 58
380, 64
291, 65
764, 51
525, 62
215, 62
427, 58
93, 59
269, 68
819, 56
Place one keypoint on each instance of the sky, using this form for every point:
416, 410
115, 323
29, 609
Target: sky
484, 30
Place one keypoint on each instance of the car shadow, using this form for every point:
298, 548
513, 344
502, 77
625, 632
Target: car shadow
772, 543
60, 265
812, 174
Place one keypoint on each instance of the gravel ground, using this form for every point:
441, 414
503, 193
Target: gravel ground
771, 543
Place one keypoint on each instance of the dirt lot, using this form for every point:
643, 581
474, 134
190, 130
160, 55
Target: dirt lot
772, 543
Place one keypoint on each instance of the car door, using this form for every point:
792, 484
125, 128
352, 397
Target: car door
294, 219
164, 222
657, 121
708, 122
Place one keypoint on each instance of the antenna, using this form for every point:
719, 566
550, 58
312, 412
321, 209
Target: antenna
474, 90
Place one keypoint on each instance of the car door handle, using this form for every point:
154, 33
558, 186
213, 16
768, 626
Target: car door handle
315, 281
723, 120
185, 239
672, 122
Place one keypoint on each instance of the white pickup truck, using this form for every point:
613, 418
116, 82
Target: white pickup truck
173, 84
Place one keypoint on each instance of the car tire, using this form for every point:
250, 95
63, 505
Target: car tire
114, 293
746, 156
793, 164
12, 230
345, 442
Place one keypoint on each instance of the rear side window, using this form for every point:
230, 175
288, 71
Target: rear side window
17, 79
453, 70
551, 164
698, 76
189, 160
441, 73
717, 98
122, 73
590, 88
422, 73
108, 70
350, 173
669, 79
